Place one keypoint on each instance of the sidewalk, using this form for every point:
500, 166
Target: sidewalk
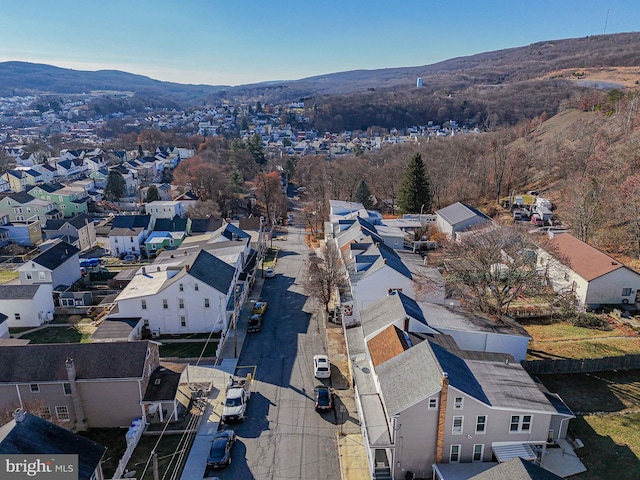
351, 449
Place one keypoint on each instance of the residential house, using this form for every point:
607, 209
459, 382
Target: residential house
26, 305
19, 180
130, 177
72, 168
81, 385
459, 217
182, 292
21, 233
4, 185
47, 171
594, 277
168, 233
28, 434
188, 199
202, 226
58, 265
79, 231
21, 207
161, 209
94, 163
128, 232
71, 200
118, 330
422, 405
27, 159
99, 177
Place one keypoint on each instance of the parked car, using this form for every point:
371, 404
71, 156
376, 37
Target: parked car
324, 398
270, 272
321, 366
259, 307
220, 452
255, 323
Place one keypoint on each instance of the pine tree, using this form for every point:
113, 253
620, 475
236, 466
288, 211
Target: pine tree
116, 186
363, 195
152, 194
415, 192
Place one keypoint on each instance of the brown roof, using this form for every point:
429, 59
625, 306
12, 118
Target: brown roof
164, 382
583, 259
249, 223
387, 344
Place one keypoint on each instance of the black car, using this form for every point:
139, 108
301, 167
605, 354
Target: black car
255, 323
220, 453
324, 398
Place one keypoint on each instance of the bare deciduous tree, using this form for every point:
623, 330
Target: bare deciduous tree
326, 275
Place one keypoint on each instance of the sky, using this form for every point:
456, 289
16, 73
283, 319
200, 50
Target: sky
220, 42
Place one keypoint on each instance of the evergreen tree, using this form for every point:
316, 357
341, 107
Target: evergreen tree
363, 195
116, 186
152, 194
254, 144
415, 192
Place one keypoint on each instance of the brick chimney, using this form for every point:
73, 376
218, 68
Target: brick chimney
442, 416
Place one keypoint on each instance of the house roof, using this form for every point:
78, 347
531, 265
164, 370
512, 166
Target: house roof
583, 259
417, 367
387, 344
77, 222
46, 362
33, 435
115, 328
389, 309
516, 469
56, 255
175, 224
20, 197
130, 221
202, 225
164, 382
212, 271
249, 223
231, 231
460, 212
18, 292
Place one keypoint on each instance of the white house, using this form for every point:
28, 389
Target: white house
165, 209
182, 292
26, 305
59, 265
128, 232
593, 276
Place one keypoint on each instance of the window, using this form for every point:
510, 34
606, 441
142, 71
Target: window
454, 454
63, 413
45, 413
457, 402
478, 451
433, 403
481, 423
181, 287
115, 240
131, 239
42, 275
181, 303
29, 276
520, 423
165, 303
206, 303
457, 425
16, 316
183, 321
196, 287
626, 292
143, 304
66, 386
34, 387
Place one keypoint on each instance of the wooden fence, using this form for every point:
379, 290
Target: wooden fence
582, 365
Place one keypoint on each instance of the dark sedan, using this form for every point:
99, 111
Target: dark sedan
220, 453
324, 398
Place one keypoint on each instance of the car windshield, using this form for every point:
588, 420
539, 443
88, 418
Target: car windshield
254, 320
323, 369
323, 395
233, 402
218, 448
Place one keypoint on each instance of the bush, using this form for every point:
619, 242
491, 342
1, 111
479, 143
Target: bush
590, 320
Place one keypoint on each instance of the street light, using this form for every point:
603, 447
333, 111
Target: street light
421, 209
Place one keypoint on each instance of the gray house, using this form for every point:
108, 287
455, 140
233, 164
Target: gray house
58, 265
459, 217
81, 385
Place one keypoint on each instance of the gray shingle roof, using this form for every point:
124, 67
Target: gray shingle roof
55, 256
46, 362
388, 309
18, 292
516, 469
34, 435
459, 212
130, 221
212, 271
164, 382
416, 367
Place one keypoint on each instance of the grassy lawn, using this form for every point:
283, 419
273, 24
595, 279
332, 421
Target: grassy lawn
564, 340
116, 443
167, 456
6, 275
71, 334
198, 336
188, 350
612, 435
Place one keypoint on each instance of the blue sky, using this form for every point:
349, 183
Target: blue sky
220, 42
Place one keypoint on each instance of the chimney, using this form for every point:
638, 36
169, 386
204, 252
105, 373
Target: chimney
188, 268
405, 327
81, 425
144, 270
18, 415
442, 417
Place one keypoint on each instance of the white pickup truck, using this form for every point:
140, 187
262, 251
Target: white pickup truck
238, 395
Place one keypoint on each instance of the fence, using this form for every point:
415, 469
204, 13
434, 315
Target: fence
133, 436
581, 365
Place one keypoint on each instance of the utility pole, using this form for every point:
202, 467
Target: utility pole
235, 320
156, 475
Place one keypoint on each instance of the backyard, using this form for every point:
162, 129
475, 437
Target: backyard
607, 405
